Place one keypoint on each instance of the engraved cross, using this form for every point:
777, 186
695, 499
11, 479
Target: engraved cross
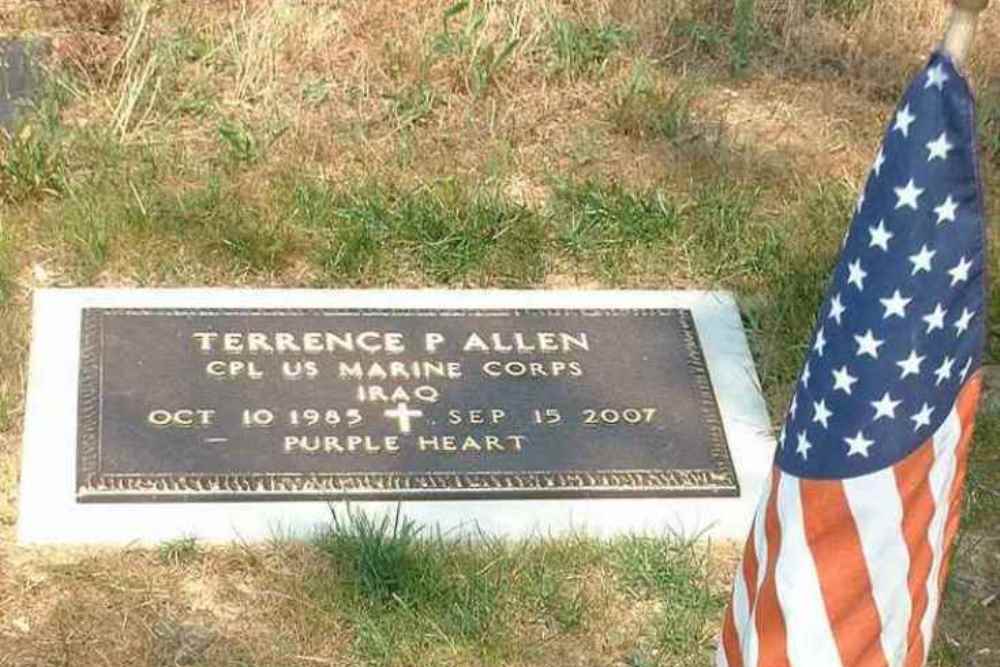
403, 414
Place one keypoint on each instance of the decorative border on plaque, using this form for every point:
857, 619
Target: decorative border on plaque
709, 408
372, 486
89, 397
95, 486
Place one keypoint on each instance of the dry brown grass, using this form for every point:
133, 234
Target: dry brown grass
137, 607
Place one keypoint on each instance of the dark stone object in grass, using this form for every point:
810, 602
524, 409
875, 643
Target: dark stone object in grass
353, 407
20, 77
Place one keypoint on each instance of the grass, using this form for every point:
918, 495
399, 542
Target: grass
744, 29
644, 108
580, 48
845, 10
31, 162
178, 551
989, 121
606, 224
444, 232
406, 593
466, 36
519, 144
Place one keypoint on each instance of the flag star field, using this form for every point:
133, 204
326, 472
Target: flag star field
902, 326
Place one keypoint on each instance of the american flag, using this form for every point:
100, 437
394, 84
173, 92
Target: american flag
848, 553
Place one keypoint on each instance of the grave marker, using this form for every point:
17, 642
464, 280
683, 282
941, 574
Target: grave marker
224, 413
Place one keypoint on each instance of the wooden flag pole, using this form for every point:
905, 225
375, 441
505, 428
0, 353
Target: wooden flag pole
962, 28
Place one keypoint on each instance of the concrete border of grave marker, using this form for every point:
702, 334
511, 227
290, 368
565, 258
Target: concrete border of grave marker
51, 511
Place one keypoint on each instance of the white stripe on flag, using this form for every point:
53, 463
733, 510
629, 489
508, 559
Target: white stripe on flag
942, 473
878, 513
810, 640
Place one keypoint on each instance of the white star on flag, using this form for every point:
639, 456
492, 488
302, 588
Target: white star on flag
910, 365
821, 413
843, 380
868, 344
922, 260
820, 342
962, 323
923, 417
895, 305
803, 446
880, 236
965, 369
908, 195
885, 407
836, 309
903, 121
944, 370
947, 210
859, 444
879, 161
935, 320
936, 77
857, 277
939, 148
960, 271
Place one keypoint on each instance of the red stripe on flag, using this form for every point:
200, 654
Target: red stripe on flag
750, 567
835, 544
913, 482
730, 643
966, 406
771, 634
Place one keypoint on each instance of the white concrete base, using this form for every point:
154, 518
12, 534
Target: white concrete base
49, 512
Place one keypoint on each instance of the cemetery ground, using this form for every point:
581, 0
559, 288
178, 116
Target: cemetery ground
529, 144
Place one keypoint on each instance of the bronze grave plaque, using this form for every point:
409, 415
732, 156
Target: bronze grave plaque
394, 404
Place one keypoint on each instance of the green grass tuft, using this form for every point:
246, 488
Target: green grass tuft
606, 223
579, 48
446, 232
406, 592
726, 241
32, 163
88, 223
728, 33
465, 36
255, 246
673, 571
240, 143
382, 553
179, 551
413, 105
644, 108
